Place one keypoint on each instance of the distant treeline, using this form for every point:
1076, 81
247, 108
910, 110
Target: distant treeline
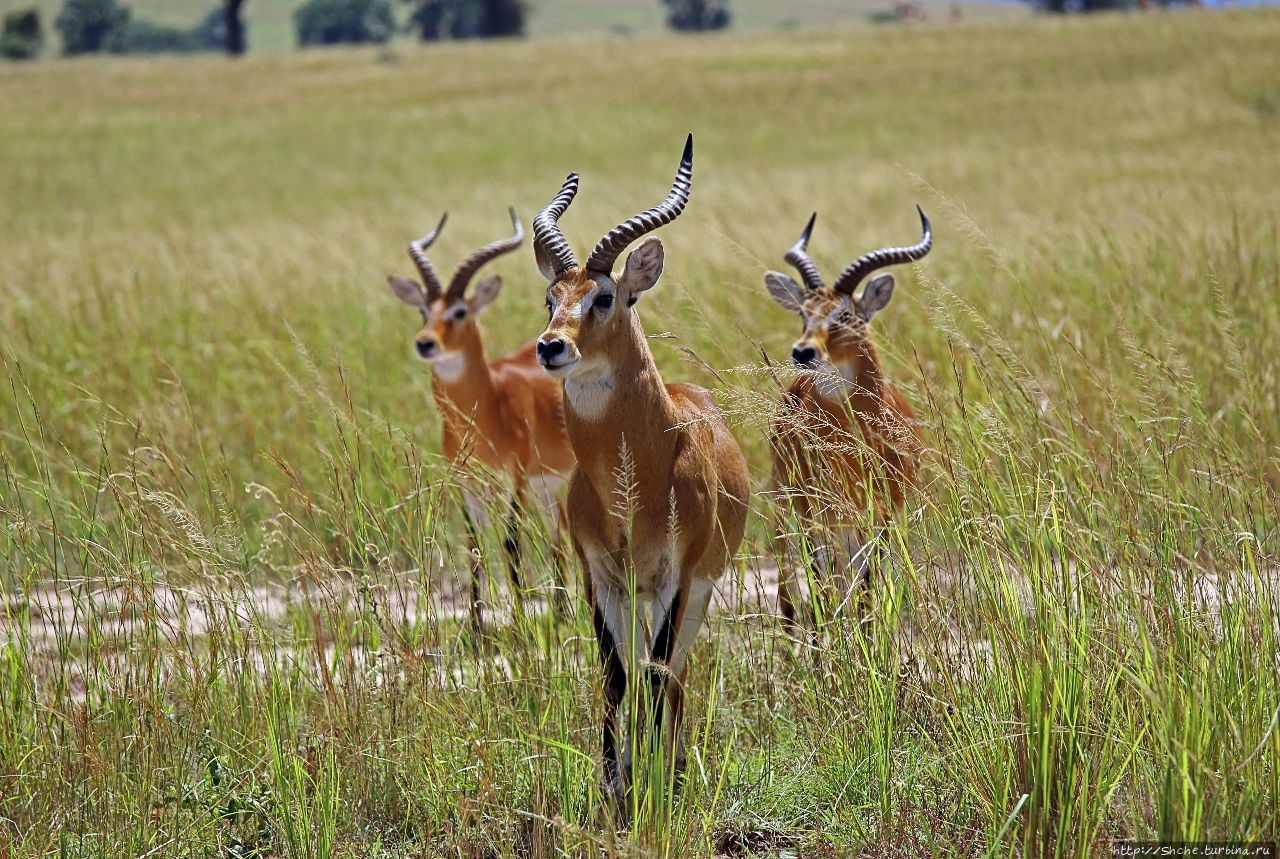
93, 26
109, 26
106, 26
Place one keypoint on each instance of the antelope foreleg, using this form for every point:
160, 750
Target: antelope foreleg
697, 602
473, 554
668, 613
511, 542
612, 628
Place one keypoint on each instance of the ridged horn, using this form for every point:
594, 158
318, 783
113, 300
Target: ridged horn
418, 252
798, 257
849, 279
470, 265
548, 241
609, 248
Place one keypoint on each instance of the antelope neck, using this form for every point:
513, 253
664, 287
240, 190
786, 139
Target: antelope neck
625, 397
472, 389
862, 390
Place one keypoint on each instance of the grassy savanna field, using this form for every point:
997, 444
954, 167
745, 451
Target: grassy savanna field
230, 547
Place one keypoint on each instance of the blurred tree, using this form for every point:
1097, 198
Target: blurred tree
428, 18
467, 19
215, 32
697, 15
22, 36
88, 26
235, 40
211, 33
331, 22
503, 18
1069, 6
438, 19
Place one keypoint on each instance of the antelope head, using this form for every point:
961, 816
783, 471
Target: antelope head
836, 339
590, 305
448, 315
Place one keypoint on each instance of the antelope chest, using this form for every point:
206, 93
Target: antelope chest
449, 368
645, 567
588, 394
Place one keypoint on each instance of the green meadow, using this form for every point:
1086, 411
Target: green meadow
230, 550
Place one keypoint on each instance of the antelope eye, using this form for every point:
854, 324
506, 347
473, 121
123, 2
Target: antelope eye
549, 307
604, 301
460, 314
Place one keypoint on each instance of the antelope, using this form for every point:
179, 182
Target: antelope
505, 418
842, 425
657, 503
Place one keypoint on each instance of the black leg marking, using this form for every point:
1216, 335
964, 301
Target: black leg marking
786, 577
660, 657
476, 603
615, 687
877, 551
512, 543
818, 584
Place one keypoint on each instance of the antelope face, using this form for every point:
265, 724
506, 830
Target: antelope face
591, 308
448, 323
445, 328
448, 315
836, 334
590, 311
836, 337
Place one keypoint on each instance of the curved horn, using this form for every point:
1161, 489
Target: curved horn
472, 264
608, 249
800, 259
548, 241
849, 279
418, 251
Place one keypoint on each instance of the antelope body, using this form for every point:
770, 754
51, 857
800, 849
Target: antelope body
503, 419
844, 443
657, 504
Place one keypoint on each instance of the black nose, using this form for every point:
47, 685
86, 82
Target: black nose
548, 349
426, 347
804, 355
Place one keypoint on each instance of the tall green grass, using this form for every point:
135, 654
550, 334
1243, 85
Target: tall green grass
231, 553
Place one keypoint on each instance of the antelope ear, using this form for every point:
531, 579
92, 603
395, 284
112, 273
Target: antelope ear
644, 267
875, 295
407, 290
484, 292
543, 260
785, 291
